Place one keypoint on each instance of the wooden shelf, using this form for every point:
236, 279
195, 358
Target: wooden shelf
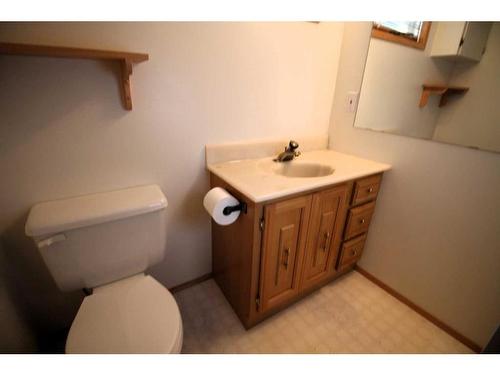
444, 91
126, 59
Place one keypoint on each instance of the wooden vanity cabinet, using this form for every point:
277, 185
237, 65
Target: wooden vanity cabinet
280, 250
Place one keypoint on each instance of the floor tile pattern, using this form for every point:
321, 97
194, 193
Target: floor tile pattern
350, 315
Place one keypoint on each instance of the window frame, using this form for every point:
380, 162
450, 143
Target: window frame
386, 34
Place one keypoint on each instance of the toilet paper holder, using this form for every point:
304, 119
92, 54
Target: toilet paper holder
242, 206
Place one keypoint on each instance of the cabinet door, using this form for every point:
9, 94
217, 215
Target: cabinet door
474, 40
324, 236
282, 251
447, 35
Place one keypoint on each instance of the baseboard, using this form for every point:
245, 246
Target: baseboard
445, 327
190, 283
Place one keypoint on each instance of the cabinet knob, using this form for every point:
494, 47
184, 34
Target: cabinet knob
354, 252
370, 190
362, 221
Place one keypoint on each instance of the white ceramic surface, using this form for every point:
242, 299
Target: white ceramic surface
134, 315
302, 169
100, 238
258, 180
219, 153
64, 214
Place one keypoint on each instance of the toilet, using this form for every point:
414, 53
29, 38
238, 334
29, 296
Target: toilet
104, 243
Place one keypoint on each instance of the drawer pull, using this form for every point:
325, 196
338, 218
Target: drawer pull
327, 236
362, 221
354, 252
287, 254
370, 190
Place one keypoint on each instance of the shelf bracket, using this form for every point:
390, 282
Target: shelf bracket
427, 92
126, 72
443, 91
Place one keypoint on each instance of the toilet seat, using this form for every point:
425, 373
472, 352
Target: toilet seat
133, 315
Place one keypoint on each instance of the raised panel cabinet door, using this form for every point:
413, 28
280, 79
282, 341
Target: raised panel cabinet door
282, 251
324, 235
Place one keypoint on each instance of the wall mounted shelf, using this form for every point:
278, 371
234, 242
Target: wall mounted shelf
444, 91
126, 59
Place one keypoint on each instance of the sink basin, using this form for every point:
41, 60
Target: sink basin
303, 169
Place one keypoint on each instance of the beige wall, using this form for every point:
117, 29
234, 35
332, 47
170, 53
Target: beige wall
392, 86
64, 131
435, 236
16, 336
473, 119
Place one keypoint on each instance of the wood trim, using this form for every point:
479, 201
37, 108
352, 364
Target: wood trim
190, 283
69, 52
431, 318
380, 33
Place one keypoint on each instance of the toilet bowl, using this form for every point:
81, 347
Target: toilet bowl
105, 242
133, 315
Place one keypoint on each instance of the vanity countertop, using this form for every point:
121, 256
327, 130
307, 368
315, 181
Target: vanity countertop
256, 178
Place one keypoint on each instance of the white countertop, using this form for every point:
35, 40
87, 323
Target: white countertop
256, 179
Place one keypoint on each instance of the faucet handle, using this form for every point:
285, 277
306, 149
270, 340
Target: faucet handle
293, 145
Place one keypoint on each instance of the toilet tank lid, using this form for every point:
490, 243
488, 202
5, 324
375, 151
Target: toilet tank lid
64, 214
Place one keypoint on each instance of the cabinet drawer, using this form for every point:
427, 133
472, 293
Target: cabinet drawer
366, 189
359, 220
351, 252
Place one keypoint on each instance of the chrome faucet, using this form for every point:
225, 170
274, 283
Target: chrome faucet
289, 154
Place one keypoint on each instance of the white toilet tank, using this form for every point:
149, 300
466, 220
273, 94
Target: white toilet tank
96, 239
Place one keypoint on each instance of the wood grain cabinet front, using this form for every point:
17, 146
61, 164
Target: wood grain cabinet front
324, 234
351, 252
366, 189
359, 219
280, 250
283, 249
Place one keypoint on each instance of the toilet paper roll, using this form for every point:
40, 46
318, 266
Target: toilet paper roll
215, 201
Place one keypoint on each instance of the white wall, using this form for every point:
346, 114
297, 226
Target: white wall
392, 86
434, 237
64, 131
473, 118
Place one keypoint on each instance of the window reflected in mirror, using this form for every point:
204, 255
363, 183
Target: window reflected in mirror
409, 33
447, 91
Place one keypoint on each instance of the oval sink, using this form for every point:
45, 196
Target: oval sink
303, 169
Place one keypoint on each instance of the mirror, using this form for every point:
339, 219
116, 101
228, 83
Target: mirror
438, 81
